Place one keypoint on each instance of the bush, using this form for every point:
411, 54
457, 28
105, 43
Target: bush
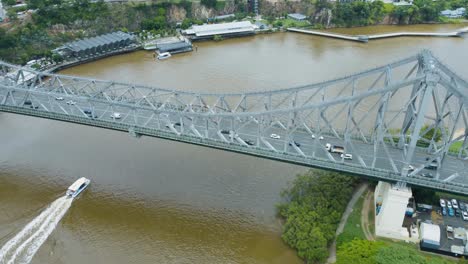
218, 38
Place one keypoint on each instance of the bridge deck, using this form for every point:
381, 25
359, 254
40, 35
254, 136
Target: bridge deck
303, 118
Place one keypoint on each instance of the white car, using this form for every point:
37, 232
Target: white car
449, 204
275, 136
465, 216
328, 146
313, 136
321, 138
410, 168
59, 98
454, 204
442, 203
71, 102
116, 115
347, 156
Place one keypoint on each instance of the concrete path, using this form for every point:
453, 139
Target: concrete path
366, 207
349, 208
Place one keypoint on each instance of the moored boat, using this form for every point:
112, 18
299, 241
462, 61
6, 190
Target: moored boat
164, 55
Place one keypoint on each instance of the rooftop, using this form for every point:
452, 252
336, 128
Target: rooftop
164, 47
430, 232
223, 28
89, 43
297, 16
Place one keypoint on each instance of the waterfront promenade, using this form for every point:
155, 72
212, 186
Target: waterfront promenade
366, 38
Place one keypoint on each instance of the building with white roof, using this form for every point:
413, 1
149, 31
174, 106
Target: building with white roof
224, 30
430, 235
297, 16
457, 13
2, 12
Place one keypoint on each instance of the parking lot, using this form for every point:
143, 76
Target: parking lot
435, 216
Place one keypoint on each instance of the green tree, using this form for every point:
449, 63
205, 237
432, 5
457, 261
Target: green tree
209, 3
312, 208
358, 251
8, 2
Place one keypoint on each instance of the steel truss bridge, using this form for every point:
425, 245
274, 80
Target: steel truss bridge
405, 122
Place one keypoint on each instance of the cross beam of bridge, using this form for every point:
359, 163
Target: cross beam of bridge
405, 122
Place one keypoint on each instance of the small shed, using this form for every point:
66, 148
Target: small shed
430, 235
297, 16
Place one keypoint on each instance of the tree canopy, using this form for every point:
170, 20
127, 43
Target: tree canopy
312, 209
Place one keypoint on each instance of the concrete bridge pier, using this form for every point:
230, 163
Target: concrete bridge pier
390, 201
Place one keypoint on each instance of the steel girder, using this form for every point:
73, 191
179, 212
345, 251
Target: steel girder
398, 119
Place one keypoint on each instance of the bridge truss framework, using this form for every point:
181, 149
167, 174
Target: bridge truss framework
397, 120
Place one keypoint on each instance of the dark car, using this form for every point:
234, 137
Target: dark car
295, 143
249, 142
432, 166
90, 113
462, 206
427, 175
225, 132
177, 124
457, 213
444, 211
30, 104
451, 212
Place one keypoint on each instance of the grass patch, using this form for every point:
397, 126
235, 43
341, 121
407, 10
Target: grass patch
455, 147
371, 218
413, 249
353, 228
451, 20
288, 22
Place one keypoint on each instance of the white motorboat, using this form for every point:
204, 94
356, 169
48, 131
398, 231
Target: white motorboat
164, 55
77, 187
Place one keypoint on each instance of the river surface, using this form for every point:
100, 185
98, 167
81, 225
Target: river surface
158, 201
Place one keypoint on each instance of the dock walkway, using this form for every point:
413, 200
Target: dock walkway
366, 38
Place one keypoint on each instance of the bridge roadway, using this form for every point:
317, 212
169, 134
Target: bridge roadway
313, 150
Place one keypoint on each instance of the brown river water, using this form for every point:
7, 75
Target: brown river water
157, 201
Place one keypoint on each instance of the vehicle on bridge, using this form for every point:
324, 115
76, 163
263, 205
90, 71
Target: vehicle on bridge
275, 136
295, 143
116, 115
90, 113
30, 104
337, 149
346, 156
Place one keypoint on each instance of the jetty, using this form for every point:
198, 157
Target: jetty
366, 38
173, 45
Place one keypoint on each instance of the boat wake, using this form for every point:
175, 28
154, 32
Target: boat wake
22, 247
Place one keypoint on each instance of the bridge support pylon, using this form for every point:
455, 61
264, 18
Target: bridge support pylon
390, 201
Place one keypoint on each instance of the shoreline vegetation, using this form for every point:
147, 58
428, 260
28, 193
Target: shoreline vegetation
33, 30
311, 209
